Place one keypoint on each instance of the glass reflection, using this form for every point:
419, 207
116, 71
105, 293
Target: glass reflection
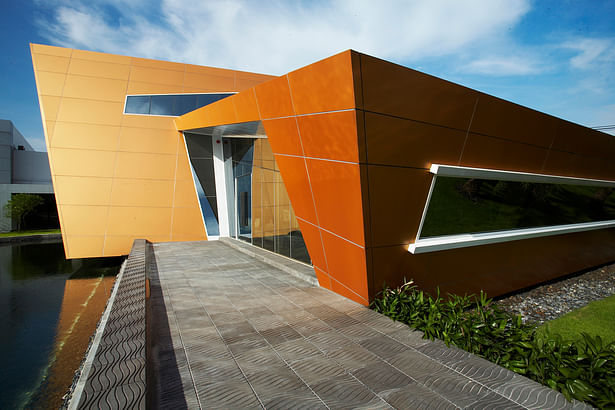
169, 104
472, 205
274, 226
200, 151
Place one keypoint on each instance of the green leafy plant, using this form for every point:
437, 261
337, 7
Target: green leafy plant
20, 205
583, 369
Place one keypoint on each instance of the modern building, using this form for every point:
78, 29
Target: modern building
369, 171
22, 170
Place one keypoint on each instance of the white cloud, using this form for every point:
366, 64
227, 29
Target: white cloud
591, 51
503, 66
277, 36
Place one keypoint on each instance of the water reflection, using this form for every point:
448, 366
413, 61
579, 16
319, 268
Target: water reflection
49, 308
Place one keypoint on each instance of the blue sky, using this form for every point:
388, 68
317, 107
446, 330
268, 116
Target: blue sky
556, 56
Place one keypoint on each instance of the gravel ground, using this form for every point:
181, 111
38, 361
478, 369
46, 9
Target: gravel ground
555, 299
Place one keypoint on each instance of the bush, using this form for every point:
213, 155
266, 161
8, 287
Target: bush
582, 370
21, 205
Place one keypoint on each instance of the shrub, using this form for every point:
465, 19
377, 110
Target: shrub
582, 369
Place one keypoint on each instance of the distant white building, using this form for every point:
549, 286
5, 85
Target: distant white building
22, 169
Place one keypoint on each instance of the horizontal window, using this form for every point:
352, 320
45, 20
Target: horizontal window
487, 206
169, 104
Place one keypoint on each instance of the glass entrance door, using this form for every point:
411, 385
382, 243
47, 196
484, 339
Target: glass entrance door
238, 158
243, 206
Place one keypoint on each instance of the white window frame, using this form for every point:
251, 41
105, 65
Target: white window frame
473, 239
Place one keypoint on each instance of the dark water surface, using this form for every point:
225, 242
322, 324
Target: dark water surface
49, 308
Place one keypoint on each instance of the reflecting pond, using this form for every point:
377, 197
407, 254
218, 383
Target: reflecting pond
49, 308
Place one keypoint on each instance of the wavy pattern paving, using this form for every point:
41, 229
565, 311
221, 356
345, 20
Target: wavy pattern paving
117, 378
248, 335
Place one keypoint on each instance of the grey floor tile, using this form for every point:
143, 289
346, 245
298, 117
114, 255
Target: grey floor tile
383, 346
294, 350
293, 401
415, 396
317, 368
245, 334
209, 371
344, 392
382, 376
330, 340
258, 360
416, 365
275, 381
228, 395
353, 357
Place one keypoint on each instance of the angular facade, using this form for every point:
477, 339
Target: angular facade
370, 171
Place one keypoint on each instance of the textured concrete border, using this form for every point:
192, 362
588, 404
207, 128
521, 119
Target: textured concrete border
114, 375
87, 364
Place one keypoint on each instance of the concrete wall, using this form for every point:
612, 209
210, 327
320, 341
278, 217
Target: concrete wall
6, 144
31, 167
21, 171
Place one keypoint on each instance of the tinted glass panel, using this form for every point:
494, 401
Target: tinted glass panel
169, 104
274, 226
298, 250
186, 103
471, 205
163, 105
137, 104
199, 146
210, 217
203, 174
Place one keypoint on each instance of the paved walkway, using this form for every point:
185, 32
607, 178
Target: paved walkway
243, 334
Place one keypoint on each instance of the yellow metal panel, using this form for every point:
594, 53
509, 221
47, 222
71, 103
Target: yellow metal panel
84, 219
91, 112
106, 89
49, 107
78, 190
185, 194
50, 83
156, 76
183, 171
149, 121
99, 69
49, 128
139, 87
85, 136
82, 162
203, 70
50, 50
159, 64
143, 165
139, 221
139, 192
148, 140
187, 222
218, 82
118, 245
103, 158
56, 64
83, 246
95, 56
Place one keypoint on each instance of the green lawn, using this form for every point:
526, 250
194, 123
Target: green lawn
24, 233
597, 318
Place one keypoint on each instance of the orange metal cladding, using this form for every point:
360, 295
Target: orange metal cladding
310, 119
354, 137
413, 120
119, 177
